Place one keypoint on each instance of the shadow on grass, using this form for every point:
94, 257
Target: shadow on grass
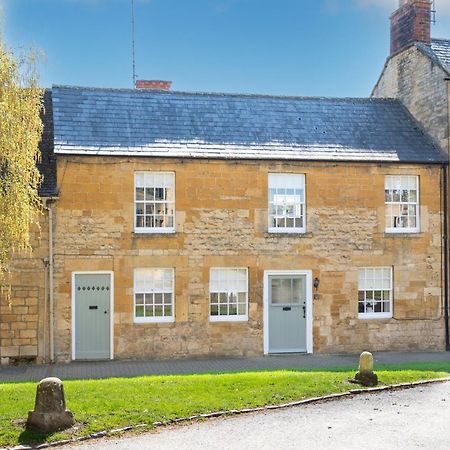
33, 437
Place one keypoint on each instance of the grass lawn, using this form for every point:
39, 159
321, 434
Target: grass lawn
117, 402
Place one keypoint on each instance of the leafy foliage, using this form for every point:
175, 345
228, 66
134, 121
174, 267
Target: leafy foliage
20, 133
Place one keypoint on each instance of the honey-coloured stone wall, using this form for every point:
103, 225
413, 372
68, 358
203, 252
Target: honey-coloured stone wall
222, 221
24, 311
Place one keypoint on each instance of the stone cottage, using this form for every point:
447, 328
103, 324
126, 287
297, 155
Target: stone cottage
193, 224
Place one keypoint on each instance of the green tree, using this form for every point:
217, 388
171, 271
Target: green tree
20, 133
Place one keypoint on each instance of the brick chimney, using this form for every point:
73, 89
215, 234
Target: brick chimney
158, 85
410, 23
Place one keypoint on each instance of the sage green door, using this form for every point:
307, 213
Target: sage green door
92, 316
287, 313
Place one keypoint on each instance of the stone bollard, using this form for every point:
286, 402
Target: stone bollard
366, 376
50, 413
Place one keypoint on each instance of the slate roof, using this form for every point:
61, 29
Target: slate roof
47, 165
441, 48
121, 122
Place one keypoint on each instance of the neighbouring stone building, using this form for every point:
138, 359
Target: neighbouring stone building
417, 72
191, 224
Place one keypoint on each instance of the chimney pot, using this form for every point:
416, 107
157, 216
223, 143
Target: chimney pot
159, 85
410, 23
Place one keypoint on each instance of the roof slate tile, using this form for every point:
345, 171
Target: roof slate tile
201, 125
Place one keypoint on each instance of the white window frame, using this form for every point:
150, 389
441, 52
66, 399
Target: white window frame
150, 230
153, 319
228, 317
380, 287
398, 179
291, 181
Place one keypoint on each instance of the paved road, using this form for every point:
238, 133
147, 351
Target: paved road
400, 420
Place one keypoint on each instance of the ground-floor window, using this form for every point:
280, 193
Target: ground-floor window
228, 294
375, 293
154, 295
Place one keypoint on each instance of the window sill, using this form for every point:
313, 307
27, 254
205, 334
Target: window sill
155, 234
411, 234
148, 320
156, 230
302, 234
375, 316
221, 319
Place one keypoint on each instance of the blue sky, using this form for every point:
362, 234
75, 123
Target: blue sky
281, 47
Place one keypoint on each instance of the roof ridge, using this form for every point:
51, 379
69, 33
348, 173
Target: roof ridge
224, 94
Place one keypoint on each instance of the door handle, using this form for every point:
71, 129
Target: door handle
304, 311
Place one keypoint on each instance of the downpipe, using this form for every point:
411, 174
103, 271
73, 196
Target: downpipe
49, 209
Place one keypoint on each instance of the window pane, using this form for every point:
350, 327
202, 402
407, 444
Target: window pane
374, 294
242, 297
286, 200
297, 290
401, 193
152, 300
139, 208
149, 194
139, 194
154, 201
139, 221
281, 290
228, 289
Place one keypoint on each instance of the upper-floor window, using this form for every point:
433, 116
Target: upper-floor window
228, 294
375, 293
402, 204
287, 203
154, 201
154, 295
